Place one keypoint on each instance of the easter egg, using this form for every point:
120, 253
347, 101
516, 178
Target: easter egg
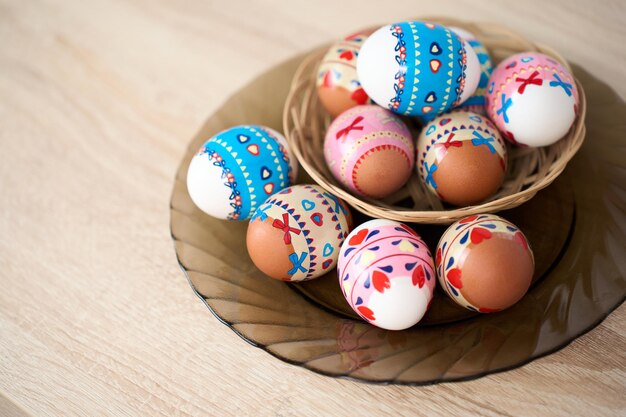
386, 274
296, 234
532, 99
369, 150
484, 263
461, 157
237, 169
476, 103
338, 86
418, 69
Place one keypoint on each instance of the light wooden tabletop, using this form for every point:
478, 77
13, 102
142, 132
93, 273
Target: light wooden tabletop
98, 101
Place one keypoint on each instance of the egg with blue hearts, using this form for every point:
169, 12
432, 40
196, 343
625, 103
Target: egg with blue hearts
239, 168
295, 235
417, 68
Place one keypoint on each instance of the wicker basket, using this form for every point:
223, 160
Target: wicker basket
530, 169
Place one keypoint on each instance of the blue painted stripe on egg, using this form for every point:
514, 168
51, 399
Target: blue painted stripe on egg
255, 154
284, 165
218, 144
410, 70
448, 69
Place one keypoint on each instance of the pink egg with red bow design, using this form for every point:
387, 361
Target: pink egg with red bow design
386, 274
532, 99
370, 151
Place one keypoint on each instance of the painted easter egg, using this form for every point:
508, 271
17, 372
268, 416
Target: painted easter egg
476, 103
484, 263
296, 234
461, 157
237, 169
338, 86
386, 274
369, 150
532, 99
418, 69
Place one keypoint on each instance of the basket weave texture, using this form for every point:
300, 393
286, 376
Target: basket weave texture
529, 169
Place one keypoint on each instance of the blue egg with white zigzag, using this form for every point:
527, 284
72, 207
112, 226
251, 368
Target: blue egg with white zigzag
239, 168
417, 69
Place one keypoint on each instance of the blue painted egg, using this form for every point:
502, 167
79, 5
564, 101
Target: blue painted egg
239, 168
417, 68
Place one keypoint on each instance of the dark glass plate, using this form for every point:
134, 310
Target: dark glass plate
577, 228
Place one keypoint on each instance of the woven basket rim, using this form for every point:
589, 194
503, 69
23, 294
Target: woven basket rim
572, 141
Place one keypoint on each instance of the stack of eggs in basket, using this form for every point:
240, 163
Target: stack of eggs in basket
377, 85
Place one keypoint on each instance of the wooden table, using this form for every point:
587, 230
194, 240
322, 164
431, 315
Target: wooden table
98, 101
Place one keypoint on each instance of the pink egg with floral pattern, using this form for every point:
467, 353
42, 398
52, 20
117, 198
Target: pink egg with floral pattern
532, 99
484, 263
370, 151
386, 274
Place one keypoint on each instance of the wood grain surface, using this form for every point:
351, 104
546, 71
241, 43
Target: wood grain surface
98, 100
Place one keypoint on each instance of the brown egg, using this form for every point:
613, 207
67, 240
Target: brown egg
388, 164
484, 263
338, 87
295, 235
461, 157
